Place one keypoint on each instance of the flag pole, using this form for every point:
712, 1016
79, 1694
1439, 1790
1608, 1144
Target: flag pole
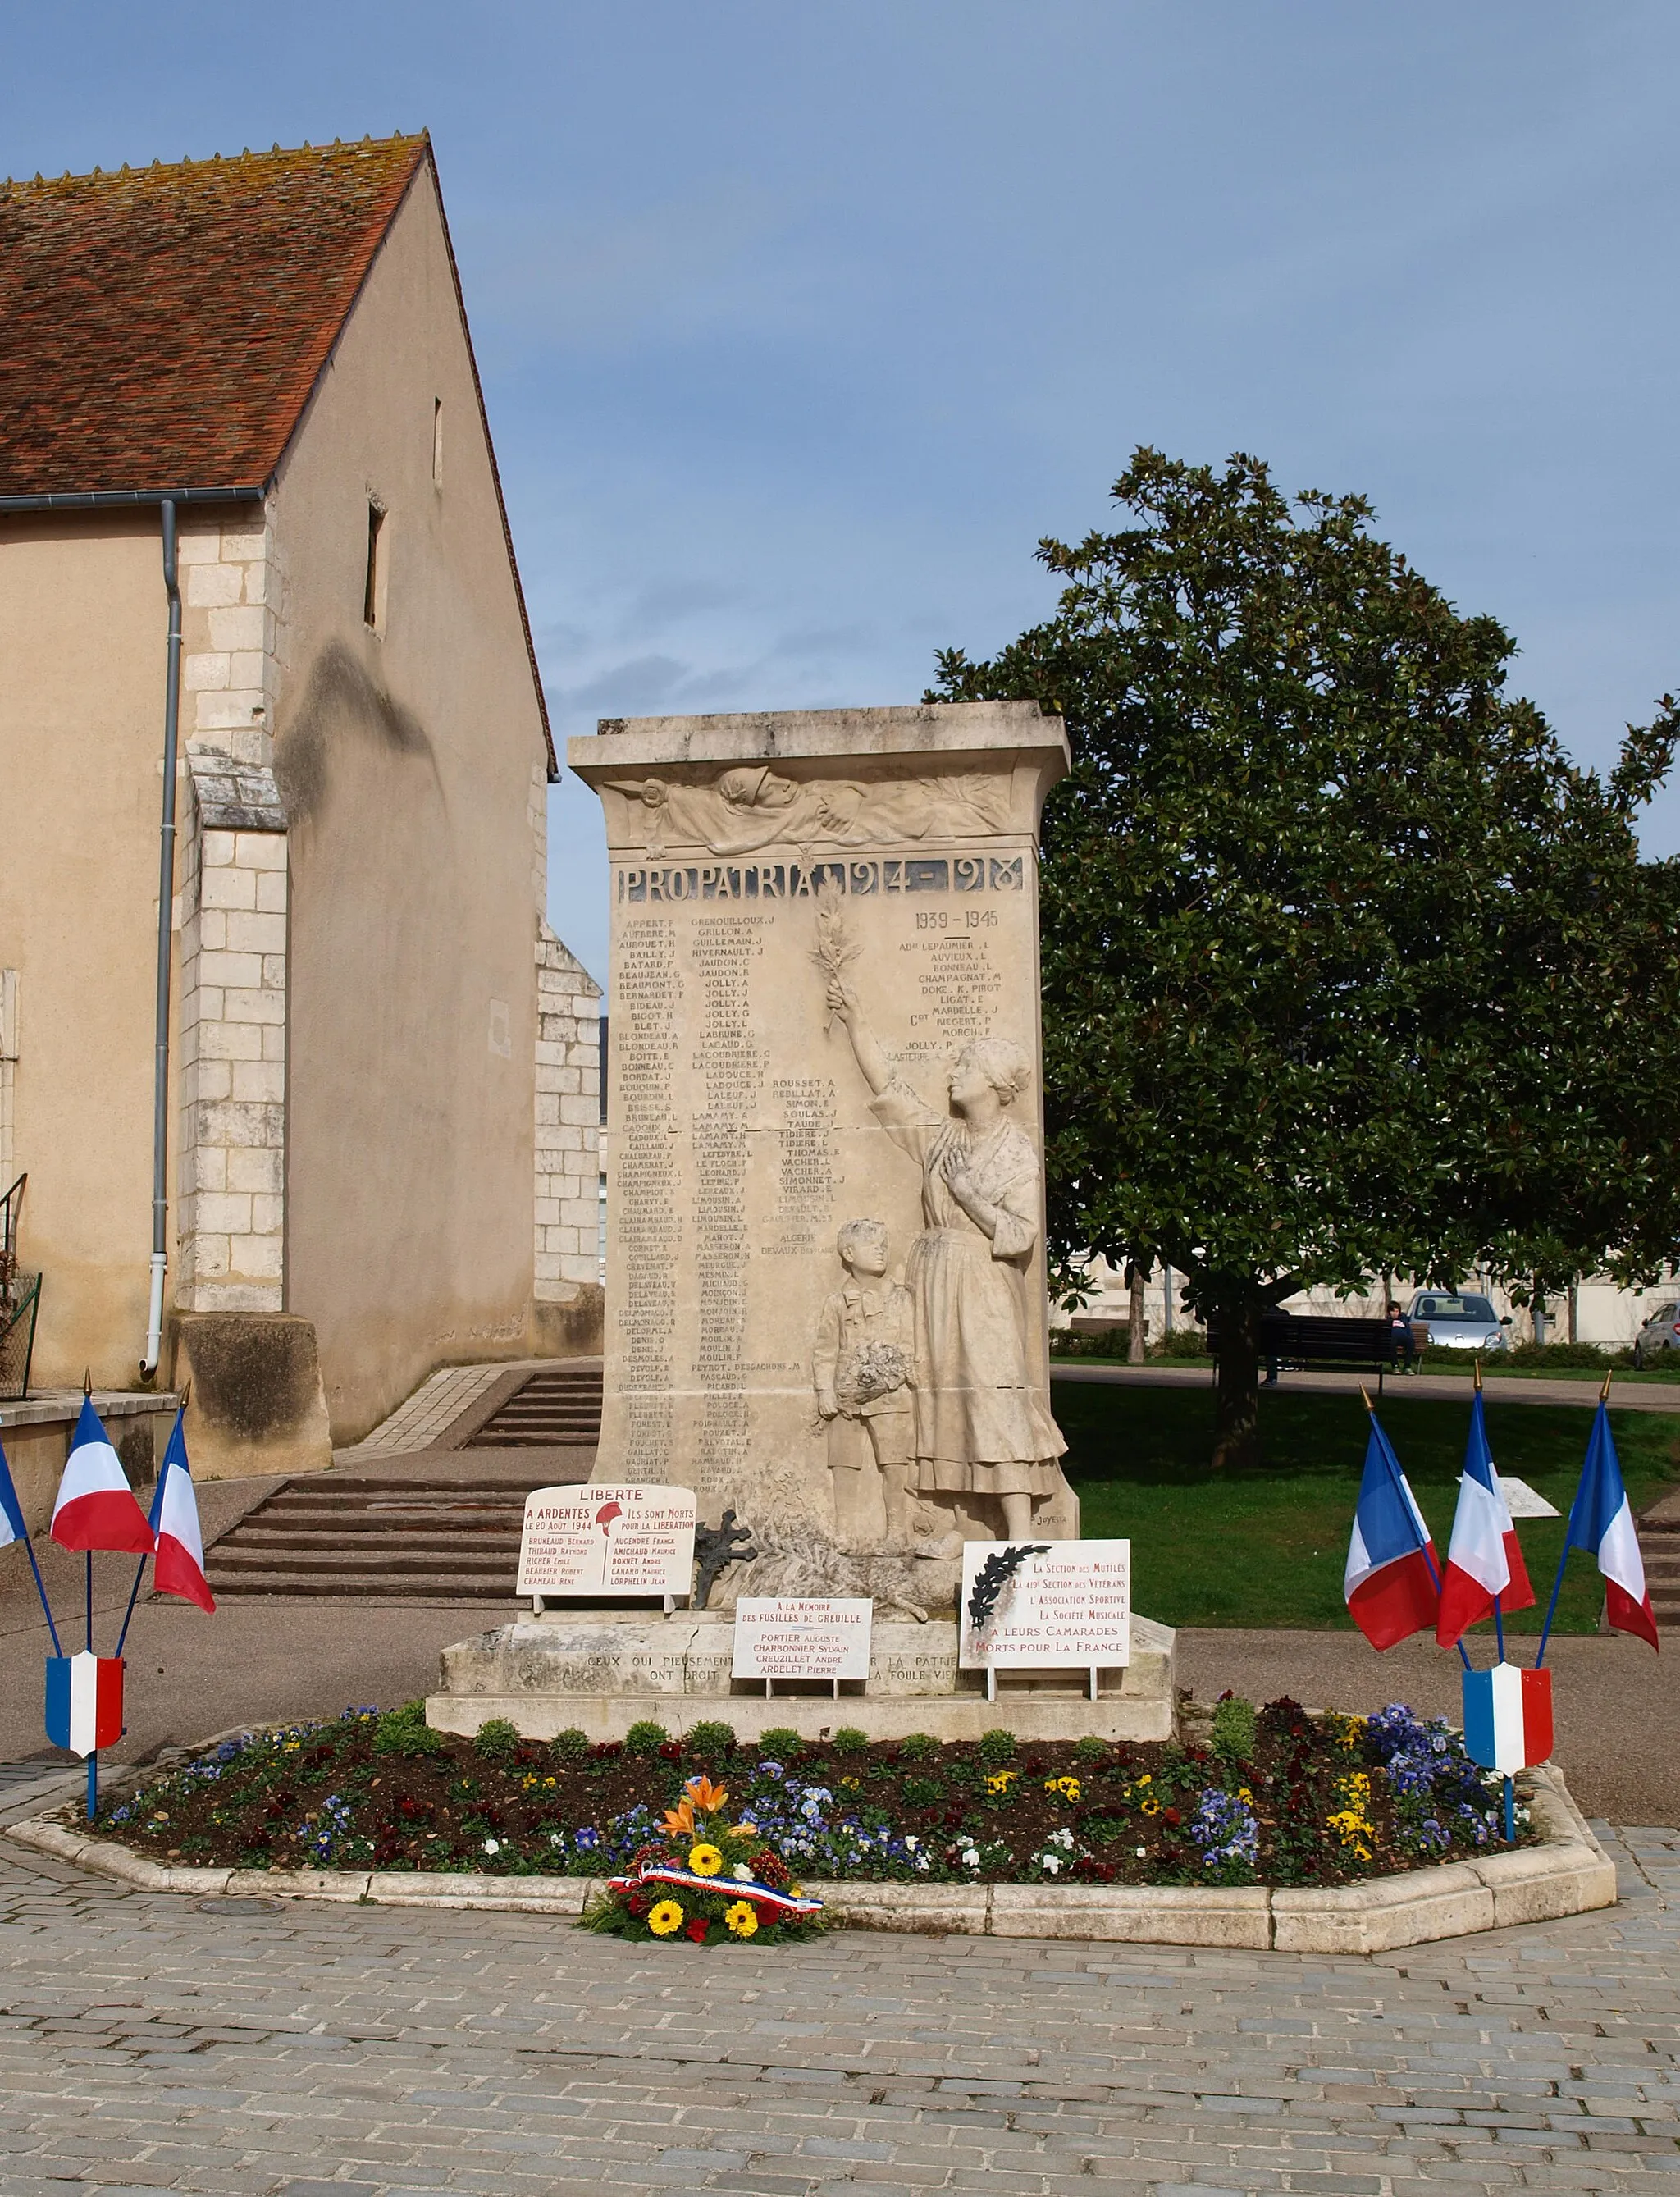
1498, 1603
1399, 1490
40, 1589
1558, 1584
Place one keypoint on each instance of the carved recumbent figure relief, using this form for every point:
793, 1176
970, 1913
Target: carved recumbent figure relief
752, 806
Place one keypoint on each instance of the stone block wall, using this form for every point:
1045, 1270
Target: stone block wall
231, 916
568, 1120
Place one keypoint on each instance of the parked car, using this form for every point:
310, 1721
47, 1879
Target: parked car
1455, 1322
1660, 1333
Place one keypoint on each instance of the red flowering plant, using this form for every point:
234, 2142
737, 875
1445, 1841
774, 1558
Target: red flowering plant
707, 1880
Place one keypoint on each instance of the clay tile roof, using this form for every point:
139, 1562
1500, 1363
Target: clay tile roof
162, 328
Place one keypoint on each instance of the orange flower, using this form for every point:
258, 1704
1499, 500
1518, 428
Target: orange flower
700, 1797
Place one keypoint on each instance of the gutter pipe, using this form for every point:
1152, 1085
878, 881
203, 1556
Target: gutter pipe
154, 1310
166, 501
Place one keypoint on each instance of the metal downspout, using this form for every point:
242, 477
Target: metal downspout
154, 1322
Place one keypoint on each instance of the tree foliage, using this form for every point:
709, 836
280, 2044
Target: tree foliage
1346, 966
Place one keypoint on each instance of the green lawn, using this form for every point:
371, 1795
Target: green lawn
1268, 1547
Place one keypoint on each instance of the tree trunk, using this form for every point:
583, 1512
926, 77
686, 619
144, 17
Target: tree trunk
1236, 1386
1134, 1315
1575, 1309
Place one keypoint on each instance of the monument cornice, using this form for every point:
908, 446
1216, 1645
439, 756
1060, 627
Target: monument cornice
991, 735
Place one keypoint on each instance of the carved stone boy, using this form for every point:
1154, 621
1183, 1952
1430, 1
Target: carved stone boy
861, 1365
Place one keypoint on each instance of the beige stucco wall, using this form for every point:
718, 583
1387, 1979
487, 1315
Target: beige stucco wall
405, 762
82, 626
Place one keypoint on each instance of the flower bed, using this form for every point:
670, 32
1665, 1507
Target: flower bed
1276, 1796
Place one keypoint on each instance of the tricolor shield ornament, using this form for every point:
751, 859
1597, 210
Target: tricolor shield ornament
84, 1702
1507, 1717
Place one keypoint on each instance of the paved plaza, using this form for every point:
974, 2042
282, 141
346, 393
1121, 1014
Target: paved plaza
301, 2048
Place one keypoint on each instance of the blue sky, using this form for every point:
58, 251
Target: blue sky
799, 325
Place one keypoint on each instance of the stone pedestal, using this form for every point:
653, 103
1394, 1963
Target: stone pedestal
603, 1671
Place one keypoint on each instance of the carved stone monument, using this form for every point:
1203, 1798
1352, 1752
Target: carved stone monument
825, 1194
825, 1290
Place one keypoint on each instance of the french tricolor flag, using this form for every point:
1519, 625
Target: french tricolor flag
12, 1527
96, 1507
1484, 1562
1390, 1580
1600, 1519
178, 1566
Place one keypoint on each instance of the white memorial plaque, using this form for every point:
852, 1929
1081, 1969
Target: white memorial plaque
1067, 1607
790, 1637
584, 1540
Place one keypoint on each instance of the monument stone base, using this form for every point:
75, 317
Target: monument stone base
604, 1670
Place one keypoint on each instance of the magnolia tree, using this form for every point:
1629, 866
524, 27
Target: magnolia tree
1346, 966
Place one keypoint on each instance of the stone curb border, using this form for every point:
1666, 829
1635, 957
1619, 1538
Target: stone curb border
1569, 1873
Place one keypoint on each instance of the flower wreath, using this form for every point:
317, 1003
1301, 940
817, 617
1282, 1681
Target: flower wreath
720, 1883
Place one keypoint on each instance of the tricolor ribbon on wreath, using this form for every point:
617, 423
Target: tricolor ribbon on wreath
760, 1895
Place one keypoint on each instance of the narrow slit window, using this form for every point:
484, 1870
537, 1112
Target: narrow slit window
373, 600
438, 442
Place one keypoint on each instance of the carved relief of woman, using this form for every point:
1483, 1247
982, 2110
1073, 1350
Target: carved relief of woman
982, 1426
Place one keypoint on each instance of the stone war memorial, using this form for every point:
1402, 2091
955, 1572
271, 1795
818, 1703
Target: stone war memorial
826, 1309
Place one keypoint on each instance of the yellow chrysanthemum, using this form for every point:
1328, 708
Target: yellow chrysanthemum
705, 1860
742, 1918
665, 1917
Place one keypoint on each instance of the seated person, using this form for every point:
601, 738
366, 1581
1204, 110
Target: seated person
1402, 1343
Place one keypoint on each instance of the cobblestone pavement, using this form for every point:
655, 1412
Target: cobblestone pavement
310, 2050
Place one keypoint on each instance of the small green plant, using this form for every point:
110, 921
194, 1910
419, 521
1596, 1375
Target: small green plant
1234, 1728
997, 1747
710, 1737
848, 1739
920, 1747
646, 1738
1093, 1749
780, 1741
406, 1731
923, 1792
570, 1745
496, 1741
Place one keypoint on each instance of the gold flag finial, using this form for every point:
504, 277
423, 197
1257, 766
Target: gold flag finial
1365, 1392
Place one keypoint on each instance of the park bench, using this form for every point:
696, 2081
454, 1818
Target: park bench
1315, 1339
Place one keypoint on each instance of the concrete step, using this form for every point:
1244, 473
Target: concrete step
562, 1404
366, 1586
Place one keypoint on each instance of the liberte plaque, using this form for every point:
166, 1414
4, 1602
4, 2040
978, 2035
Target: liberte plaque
606, 1541
825, 1272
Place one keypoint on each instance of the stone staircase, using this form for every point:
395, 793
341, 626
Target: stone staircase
1660, 1545
360, 1536
560, 1404
432, 1525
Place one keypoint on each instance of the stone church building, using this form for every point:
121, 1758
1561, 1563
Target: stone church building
381, 1099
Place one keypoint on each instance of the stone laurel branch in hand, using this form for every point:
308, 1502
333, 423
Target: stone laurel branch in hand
836, 946
995, 1575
